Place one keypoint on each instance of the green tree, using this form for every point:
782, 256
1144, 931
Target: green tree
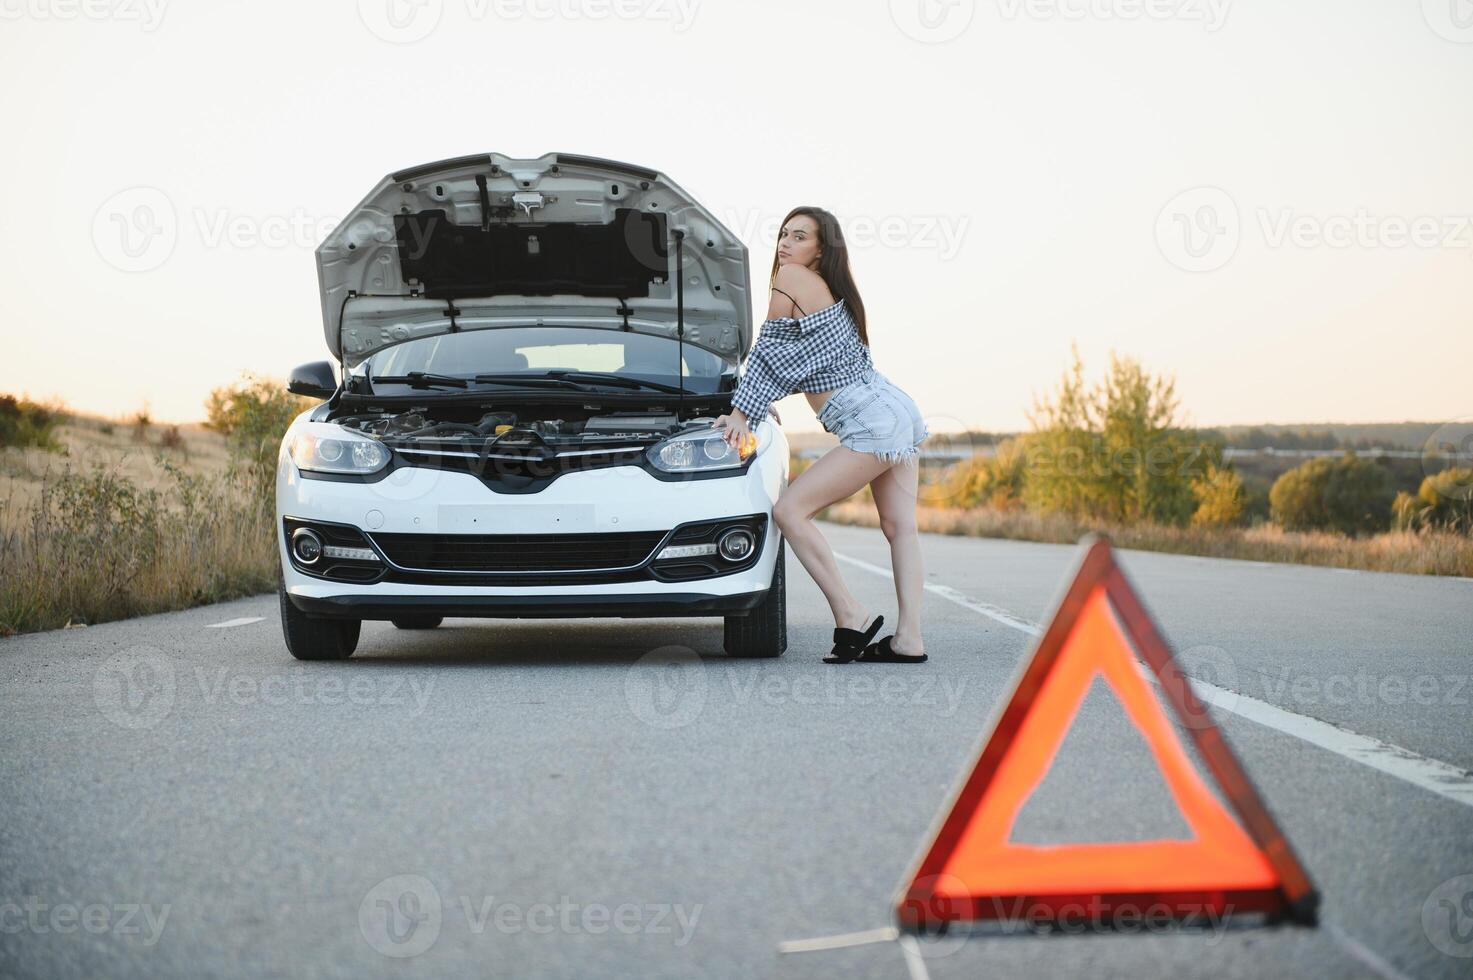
1351, 495
1115, 451
1220, 498
254, 414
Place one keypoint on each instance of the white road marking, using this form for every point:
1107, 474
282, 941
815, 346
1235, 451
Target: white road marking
235, 622
914, 961
945, 591
1448, 781
883, 935
1364, 956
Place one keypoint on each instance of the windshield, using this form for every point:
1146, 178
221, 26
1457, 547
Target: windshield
534, 351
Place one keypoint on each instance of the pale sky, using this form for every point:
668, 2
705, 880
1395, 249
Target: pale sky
1012, 175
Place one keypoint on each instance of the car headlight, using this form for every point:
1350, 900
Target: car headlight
331, 449
700, 451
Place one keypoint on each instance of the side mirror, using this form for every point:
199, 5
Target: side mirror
315, 380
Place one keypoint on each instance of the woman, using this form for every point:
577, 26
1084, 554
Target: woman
825, 354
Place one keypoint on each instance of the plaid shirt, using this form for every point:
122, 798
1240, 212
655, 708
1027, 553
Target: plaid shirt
817, 352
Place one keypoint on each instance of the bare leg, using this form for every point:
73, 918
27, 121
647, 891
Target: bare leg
895, 499
840, 472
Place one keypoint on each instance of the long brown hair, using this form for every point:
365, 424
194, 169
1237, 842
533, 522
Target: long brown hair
833, 264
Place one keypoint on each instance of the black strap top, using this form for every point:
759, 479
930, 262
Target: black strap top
795, 302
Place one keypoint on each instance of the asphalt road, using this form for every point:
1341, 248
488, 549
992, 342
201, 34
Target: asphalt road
615, 798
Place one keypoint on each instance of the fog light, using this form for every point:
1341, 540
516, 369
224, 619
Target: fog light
306, 545
736, 544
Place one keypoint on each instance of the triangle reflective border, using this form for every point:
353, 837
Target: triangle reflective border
971, 872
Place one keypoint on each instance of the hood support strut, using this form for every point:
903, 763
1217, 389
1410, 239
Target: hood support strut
680, 320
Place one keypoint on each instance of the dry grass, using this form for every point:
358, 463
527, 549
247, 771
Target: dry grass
1417, 553
87, 440
111, 527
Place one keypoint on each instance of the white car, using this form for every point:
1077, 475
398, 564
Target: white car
532, 355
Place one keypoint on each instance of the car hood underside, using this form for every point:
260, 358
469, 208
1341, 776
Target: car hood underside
492, 241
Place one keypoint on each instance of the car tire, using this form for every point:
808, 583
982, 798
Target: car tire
317, 639
763, 632
418, 622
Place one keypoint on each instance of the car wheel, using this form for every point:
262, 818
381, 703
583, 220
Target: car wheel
418, 622
317, 639
763, 632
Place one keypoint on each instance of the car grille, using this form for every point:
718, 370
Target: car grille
518, 552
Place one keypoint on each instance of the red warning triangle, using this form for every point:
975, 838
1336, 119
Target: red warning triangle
971, 871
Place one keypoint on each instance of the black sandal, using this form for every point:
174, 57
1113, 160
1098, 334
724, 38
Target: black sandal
849, 644
883, 653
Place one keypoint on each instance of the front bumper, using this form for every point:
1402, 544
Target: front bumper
423, 501
625, 606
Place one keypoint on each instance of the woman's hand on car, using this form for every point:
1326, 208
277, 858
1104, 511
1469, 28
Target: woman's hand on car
733, 428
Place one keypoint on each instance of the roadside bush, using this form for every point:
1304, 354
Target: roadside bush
26, 423
1351, 495
1444, 500
141, 421
995, 481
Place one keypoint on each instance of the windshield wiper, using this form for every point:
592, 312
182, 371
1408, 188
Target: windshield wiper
619, 381
526, 382
419, 379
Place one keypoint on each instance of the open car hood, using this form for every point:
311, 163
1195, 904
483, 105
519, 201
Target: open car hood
489, 241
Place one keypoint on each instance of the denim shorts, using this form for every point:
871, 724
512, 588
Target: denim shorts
871, 415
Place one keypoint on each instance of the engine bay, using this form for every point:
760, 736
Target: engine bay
452, 428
